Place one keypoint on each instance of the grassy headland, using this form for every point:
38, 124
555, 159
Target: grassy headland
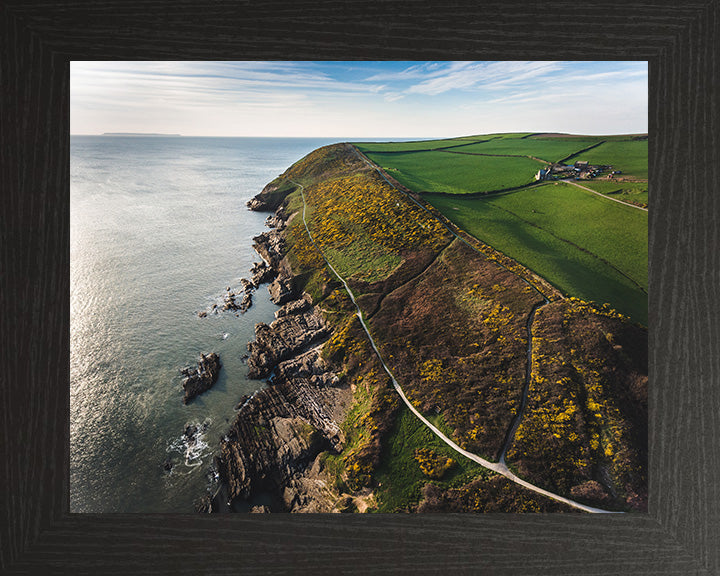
451, 323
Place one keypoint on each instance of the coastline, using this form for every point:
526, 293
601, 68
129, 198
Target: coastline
270, 457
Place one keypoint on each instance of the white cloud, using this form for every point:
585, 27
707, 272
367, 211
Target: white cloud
466, 75
372, 99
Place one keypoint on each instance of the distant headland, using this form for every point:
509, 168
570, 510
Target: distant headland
139, 134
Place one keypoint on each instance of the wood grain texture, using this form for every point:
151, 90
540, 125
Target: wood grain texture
681, 533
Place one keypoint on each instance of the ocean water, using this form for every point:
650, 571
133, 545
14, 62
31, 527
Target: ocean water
159, 231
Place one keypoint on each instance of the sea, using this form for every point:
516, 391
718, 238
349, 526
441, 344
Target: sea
159, 231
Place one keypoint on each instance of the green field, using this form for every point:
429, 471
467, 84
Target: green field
450, 173
635, 192
586, 246
629, 156
549, 149
419, 145
416, 145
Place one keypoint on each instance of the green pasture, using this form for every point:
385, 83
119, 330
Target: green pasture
420, 145
549, 149
629, 156
502, 135
585, 245
450, 173
626, 191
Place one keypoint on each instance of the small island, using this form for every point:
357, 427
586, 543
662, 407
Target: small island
141, 134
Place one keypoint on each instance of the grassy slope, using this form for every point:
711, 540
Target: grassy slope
400, 476
611, 231
629, 156
450, 173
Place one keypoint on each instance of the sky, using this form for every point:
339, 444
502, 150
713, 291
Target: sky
361, 99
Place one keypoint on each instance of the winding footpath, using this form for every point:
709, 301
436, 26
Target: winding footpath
498, 467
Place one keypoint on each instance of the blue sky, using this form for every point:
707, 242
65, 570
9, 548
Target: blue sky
358, 99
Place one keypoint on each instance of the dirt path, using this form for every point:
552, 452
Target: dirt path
498, 467
528, 377
605, 195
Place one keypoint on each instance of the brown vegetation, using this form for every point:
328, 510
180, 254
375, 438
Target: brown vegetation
455, 338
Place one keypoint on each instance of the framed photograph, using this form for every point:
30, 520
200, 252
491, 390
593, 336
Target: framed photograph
363, 411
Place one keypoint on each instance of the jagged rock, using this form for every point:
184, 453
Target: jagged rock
282, 339
232, 304
262, 273
278, 433
246, 302
257, 204
269, 198
198, 380
281, 290
266, 445
262, 509
270, 245
294, 307
275, 221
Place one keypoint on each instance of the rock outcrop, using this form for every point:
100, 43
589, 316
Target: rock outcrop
271, 246
298, 326
262, 273
278, 433
282, 290
201, 378
271, 196
231, 302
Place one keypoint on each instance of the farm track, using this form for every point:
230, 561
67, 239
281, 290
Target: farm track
498, 467
605, 195
445, 224
439, 149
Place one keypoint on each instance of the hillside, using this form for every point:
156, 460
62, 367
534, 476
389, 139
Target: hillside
543, 200
453, 320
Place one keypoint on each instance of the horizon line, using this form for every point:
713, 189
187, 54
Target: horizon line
419, 138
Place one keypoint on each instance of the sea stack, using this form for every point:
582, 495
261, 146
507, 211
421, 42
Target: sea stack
198, 380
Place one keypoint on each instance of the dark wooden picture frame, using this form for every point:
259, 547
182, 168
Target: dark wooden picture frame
680, 534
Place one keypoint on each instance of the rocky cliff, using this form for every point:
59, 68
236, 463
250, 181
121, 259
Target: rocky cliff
273, 449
